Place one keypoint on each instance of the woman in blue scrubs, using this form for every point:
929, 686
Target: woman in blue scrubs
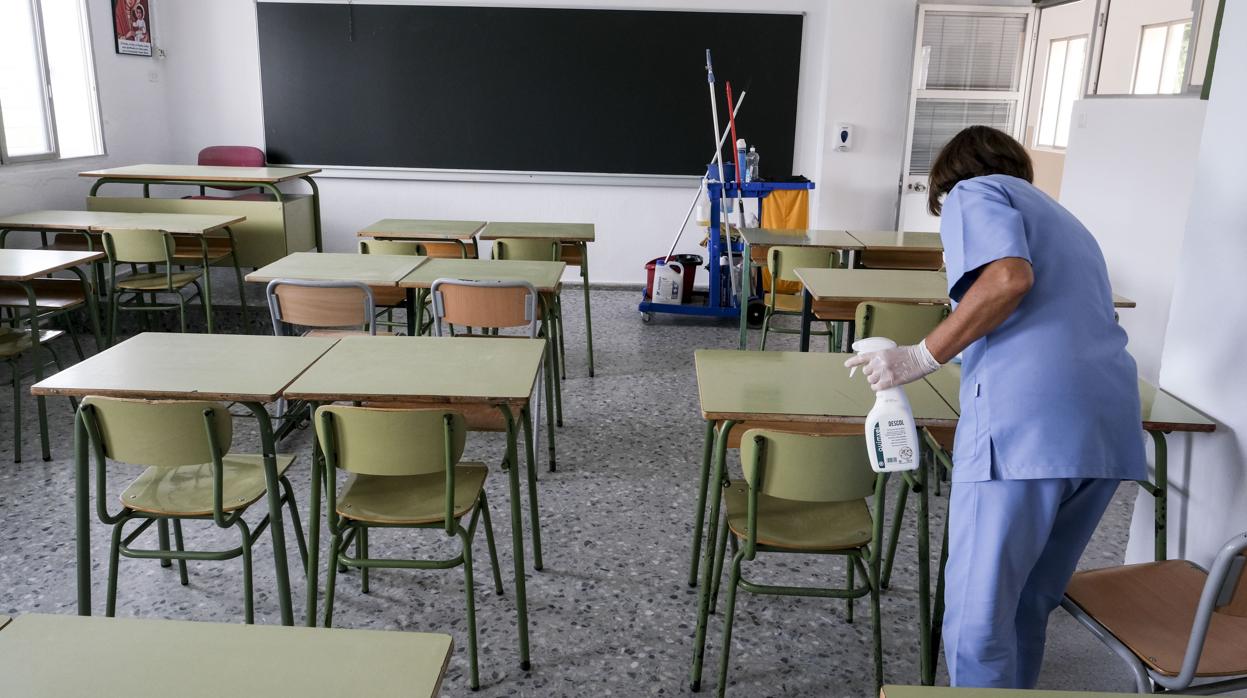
1049, 403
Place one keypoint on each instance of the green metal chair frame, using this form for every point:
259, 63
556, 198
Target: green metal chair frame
813, 469
379, 443
543, 251
167, 435
394, 247
14, 343
781, 260
152, 248
905, 323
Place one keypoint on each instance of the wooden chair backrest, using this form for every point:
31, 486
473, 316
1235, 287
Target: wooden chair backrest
485, 304
138, 246
376, 441
321, 304
1236, 603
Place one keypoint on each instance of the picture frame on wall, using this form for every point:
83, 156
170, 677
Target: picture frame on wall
132, 31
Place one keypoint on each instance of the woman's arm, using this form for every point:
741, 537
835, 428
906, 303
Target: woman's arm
989, 301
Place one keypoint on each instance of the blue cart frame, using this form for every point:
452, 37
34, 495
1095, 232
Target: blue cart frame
716, 302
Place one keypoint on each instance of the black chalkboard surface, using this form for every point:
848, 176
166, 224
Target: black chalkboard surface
524, 89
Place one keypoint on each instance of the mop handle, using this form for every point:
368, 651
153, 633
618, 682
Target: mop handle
702, 185
731, 121
718, 157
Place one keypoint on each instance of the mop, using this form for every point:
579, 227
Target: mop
718, 159
702, 186
740, 181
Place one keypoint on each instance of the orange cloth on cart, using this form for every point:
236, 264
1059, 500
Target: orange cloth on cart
784, 209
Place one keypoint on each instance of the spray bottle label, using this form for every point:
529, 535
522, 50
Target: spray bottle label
893, 450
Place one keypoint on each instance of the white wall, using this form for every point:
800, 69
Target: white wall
855, 68
1132, 189
135, 128
1205, 340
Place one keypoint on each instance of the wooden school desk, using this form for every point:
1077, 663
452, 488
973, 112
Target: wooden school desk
758, 242
794, 391
546, 277
833, 294
573, 239
215, 237
248, 369
436, 370
376, 270
24, 270
889, 249
442, 234
49, 655
276, 224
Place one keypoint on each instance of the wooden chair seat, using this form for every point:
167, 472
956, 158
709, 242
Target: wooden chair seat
571, 254
187, 490
14, 342
188, 248
785, 303
943, 436
51, 294
794, 525
410, 499
738, 431
1151, 607
449, 250
75, 242
900, 258
157, 281
388, 297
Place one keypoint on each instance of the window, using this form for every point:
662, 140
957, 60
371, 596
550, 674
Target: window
1161, 64
48, 103
1062, 85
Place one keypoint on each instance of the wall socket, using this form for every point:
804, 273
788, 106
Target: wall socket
153, 76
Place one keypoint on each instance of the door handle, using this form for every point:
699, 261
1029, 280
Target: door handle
916, 187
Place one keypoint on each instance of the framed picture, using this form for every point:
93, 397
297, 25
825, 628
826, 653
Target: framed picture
132, 27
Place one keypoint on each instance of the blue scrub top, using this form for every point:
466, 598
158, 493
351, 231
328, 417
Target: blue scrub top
1051, 392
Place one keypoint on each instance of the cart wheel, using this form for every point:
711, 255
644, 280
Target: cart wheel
755, 312
647, 318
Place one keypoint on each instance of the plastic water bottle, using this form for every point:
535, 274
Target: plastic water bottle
891, 434
751, 165
741, 154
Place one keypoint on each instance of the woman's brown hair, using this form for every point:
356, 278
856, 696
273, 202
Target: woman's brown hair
975, 152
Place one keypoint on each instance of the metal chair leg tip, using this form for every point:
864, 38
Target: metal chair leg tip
695, 687
526, 665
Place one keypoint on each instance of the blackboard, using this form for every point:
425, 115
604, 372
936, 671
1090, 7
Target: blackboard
521, 89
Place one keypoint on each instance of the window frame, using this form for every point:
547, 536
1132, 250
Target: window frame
54, 153
1186, 65
1095, 46
1044, 88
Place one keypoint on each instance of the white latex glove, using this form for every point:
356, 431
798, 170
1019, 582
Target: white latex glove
896, 366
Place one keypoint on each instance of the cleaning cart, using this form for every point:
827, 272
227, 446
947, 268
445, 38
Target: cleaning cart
719, 300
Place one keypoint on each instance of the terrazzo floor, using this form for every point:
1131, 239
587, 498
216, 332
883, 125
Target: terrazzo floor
611, 613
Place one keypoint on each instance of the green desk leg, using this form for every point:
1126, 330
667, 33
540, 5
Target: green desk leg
584, 275
320, 247
93, 310
82, 512
703, 596
41, 402
699, 520
925, 666
238, 278
413, 321
277, 527
1161, 495
207, 297
746, 275
517, 535
550, 373
313, 524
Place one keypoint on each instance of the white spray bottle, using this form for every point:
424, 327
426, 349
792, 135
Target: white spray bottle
891, 434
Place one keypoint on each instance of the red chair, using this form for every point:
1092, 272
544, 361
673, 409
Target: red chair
232, 156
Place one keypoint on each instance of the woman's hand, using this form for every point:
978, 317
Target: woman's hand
896, 366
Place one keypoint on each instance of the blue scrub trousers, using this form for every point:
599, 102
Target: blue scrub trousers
1013, 546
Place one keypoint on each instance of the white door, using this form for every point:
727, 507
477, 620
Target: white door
970, 67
